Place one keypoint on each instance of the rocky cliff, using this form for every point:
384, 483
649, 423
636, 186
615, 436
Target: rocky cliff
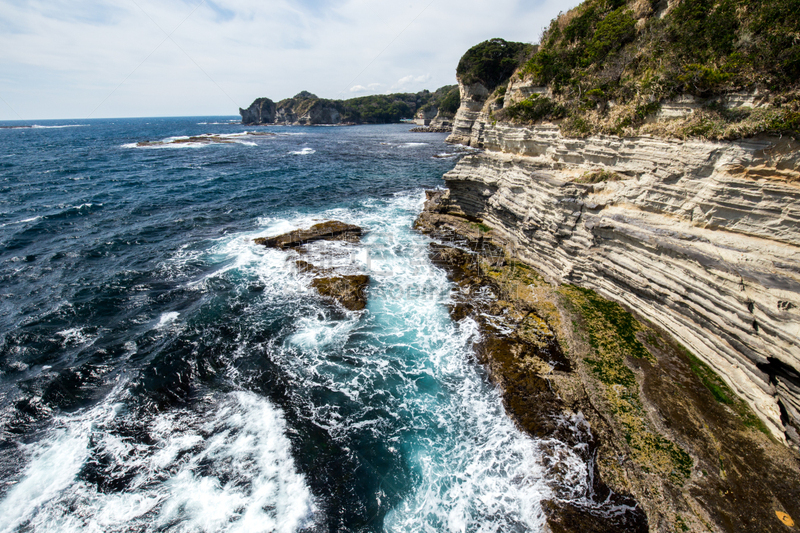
631, 225
675, 190
702, 238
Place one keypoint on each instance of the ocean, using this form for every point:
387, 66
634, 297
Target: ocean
159, 371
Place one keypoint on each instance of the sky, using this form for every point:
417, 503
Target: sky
81, 59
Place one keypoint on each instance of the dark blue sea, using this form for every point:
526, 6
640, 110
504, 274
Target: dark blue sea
159, 371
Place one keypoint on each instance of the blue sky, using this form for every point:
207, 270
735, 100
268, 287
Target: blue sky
129, 58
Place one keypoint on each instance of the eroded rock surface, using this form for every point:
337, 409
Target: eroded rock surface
261, 111
349, 290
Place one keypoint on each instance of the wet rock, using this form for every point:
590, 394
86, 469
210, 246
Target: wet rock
332, 230
567, 517
350, 291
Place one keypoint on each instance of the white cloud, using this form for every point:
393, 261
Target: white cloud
405, 80
107, 59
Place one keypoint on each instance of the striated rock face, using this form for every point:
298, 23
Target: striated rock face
472, 99
261, 111
701, 238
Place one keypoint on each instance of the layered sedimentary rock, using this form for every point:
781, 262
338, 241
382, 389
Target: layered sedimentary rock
660, 432
469, 112
701, 238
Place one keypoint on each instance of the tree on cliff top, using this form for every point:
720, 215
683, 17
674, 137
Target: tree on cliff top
492, 62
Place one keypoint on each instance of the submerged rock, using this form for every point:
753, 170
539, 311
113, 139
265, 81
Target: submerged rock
332, 230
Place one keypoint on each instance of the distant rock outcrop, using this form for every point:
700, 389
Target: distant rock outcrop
307, 109
262, 111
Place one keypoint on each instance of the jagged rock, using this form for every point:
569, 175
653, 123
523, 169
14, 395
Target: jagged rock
332, 230
350, 291
431, 129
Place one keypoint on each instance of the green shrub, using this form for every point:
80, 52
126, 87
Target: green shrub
535, 108
451, 102
599, 53
613, 31
598, 176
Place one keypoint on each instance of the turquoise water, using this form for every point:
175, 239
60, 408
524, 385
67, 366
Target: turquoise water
161, 372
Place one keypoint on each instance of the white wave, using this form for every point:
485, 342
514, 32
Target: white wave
37, 126
476, 470
412, 145
23, 221
73, 336
314, 333
87, 204
229, 469
304, 151
199, 141
166, 319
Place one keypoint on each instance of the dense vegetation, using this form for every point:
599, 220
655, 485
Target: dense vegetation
609, 64
375, 109
492, 62
447, 99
